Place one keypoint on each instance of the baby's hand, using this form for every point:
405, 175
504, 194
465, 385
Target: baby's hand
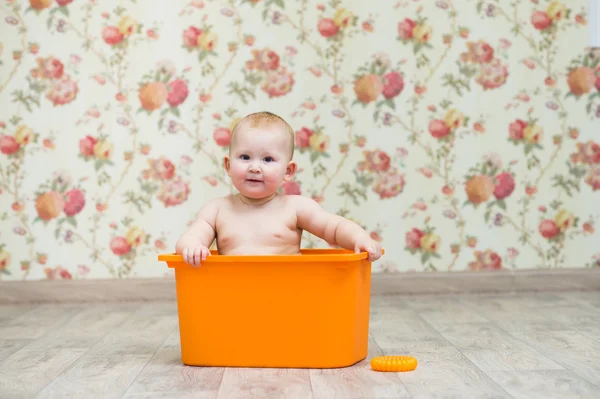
193, 255
370, 246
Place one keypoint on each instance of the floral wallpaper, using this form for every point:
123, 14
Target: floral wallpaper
464, 135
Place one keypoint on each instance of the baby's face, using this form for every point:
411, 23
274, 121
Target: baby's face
260, 160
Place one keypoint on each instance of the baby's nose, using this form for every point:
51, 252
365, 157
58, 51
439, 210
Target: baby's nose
254, 168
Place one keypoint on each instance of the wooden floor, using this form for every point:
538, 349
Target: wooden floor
530, 346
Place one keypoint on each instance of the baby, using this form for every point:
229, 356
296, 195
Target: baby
258, 220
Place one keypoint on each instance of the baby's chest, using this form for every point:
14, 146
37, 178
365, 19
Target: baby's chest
260, 225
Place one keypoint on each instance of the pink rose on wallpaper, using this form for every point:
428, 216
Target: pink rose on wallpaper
222, 136
50, 68
75, 201
264, 60
548, 229
516, 129
389, 184
119, 246
190, 37
278, 83
438, 128
5, 258
153, 95
393, 83
57, 273
62, 91
413, 238
178, 92
291, 188
111, 35
8, 145
540, 20
375, 161
505, 185
581, 80
405, 28
368, 88
593, 178
63, 3
492, 75
587, 153
174, 192
478, 52
161, 169
303, 137
86, 146
49, 205
486, 260
327, 27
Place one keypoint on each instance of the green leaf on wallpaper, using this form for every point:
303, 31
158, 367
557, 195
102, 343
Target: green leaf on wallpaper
175, 111
501, 204
376, 116
202, 56
487, 215
479, 6
71, 221
314, 156
528, 148
390, 103
5, 271
425, 257
64, 11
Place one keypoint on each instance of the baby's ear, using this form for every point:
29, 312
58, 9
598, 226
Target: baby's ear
227, 165
290, 171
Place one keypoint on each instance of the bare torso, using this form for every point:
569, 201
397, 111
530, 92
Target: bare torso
267, 229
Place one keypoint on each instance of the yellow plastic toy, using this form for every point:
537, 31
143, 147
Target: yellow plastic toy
394, 363
301, 311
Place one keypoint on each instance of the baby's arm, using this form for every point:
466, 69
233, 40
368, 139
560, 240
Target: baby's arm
193, 244
334, 229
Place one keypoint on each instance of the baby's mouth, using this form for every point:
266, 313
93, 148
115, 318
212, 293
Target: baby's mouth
254, 180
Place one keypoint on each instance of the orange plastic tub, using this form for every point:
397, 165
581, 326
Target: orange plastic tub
301, 311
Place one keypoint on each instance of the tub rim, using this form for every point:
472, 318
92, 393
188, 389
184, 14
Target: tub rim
308, 255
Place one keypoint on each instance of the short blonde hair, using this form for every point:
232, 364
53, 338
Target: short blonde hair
265, 119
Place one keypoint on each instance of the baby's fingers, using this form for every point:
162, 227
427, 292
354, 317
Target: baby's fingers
197, 255
205, 253
188, 256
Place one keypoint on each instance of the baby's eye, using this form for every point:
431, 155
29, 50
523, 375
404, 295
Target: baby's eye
244, 157
268, 159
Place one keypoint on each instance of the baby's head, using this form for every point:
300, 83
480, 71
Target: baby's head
260, 154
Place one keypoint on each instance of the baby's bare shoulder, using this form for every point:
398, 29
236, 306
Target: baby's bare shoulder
302, 204
213, 206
